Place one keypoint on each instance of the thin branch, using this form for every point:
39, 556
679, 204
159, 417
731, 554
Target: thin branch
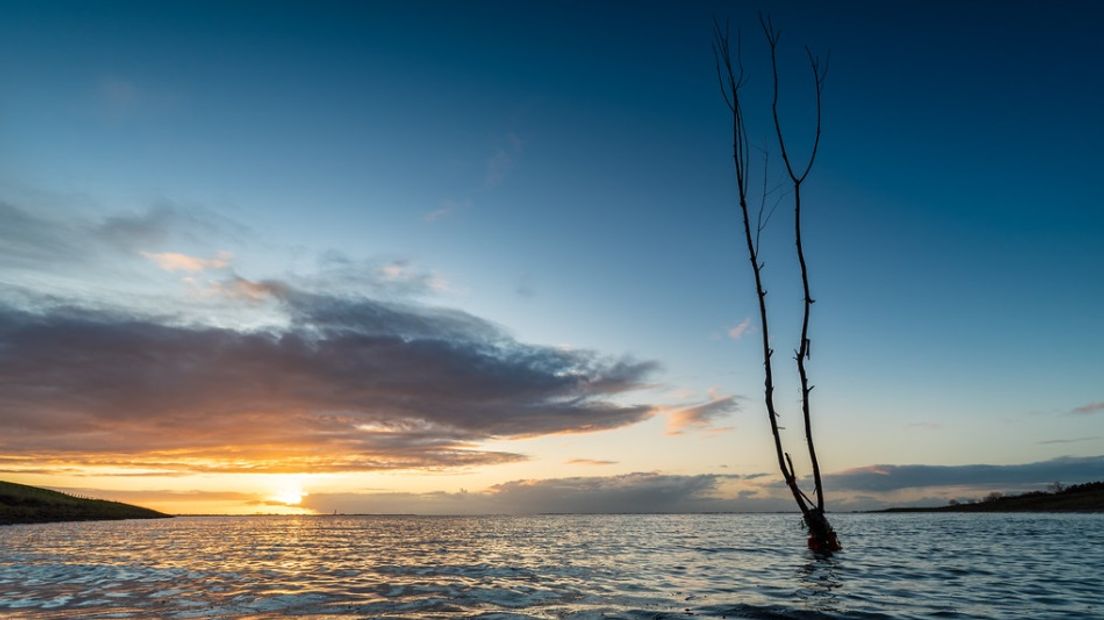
731, 83
774, 208
803, 352
820, 74
759, 223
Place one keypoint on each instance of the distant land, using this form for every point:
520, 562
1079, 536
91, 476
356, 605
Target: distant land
1088, 497
20, 503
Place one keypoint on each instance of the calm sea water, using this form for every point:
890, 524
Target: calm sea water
625, 566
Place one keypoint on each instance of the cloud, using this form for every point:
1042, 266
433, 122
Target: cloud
52, 259
883, 478
27, 240
348, 384
117, 96
1061, 441
161, 223
175, 261
183, 501
738, 330
157, 496
589, 462
379, 277
1089, 408
436, 214
635, 492
925, 426
36, 241
628, 493
642, 492
77, 258
448, 207
238, 288
399, 274
525, 288
702, 415
502, 161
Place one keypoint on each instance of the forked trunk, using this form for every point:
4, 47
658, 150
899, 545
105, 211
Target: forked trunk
822, 537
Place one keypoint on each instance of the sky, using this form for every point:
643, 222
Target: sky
487, 257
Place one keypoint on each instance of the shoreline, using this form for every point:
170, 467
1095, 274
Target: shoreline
24, 504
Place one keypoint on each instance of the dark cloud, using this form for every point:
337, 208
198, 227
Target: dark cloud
590, 462
349, 384
1071, 440
635, 492
881, 478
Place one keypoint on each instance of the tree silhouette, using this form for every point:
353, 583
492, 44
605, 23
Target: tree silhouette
731, 78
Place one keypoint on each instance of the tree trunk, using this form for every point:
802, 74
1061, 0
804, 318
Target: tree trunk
730, 75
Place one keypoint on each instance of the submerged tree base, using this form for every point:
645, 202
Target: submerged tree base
822, 538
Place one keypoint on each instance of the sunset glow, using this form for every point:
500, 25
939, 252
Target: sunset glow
486, 258
291, 494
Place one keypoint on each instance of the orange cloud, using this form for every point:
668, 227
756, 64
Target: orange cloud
738, 330
702, 415
174, 261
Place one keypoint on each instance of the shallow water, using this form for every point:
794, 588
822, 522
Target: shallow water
631, 566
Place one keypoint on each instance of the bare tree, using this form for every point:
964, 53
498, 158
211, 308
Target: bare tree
731, 77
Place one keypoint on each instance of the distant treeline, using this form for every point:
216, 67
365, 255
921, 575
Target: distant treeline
1087, 497
20, 503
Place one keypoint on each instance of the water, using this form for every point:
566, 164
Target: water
575, 566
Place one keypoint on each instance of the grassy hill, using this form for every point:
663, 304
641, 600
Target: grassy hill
1087, 497
20, 503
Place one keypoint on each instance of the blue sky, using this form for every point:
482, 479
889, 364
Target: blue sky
562, 170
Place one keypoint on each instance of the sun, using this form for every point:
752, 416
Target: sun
290, 493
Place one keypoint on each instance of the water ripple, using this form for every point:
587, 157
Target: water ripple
622, 566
